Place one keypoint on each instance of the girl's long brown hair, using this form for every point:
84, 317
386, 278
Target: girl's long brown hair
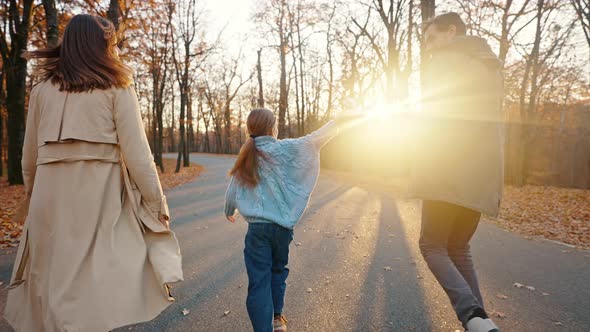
85, 59
261, 122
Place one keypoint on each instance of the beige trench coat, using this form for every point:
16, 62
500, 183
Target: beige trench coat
81, 263
458, 154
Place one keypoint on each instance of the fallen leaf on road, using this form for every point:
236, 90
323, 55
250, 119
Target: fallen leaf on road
518, 285
387, 268
559, 324
498, 314
225, 313
545, 294
347, 295
420, 277
298, 244
185, 312
530, 288
309, 290
239, 286
501, 296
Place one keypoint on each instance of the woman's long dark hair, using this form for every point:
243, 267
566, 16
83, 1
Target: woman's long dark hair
261, 122
85, 59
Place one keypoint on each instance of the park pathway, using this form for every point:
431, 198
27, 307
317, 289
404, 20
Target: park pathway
355, 266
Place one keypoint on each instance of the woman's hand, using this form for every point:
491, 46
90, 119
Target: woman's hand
164, 220
232, 219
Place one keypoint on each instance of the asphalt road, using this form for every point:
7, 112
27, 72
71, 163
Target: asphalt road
338, 281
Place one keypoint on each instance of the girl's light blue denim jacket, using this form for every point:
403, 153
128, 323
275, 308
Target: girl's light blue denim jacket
288, 175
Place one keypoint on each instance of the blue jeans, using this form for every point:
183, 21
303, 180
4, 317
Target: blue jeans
444, 243
266, 254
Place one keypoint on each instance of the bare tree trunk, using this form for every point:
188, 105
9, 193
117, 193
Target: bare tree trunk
330, 64
1, 143
154, 127
227, 118
181, 143
199, 117
190, 132
173, 125
240, 128
582, 8
283, 78
298, 114
52, 22
427, 9
206, 121
404, 81
527, 80
259, 72
114, 13
15, 68
301, 71
2, 103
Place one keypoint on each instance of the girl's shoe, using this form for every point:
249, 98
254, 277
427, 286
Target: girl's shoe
280, 324
477, 324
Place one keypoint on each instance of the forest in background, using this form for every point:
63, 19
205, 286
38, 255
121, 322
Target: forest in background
307, 60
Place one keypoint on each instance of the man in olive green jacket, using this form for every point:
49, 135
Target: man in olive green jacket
458, 166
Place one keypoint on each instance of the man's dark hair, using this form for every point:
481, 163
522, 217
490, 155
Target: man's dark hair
444, 21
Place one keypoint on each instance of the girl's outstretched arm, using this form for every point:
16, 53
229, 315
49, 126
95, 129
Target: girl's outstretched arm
328, 131
230, 201
323, 135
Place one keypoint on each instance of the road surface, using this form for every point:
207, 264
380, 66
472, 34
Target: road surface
355, 266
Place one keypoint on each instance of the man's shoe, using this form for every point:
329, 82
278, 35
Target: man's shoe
477, 324
280, 324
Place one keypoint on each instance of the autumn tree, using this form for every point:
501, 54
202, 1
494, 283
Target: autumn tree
274, 15
397, 18
187, 29
14, 37
157, 37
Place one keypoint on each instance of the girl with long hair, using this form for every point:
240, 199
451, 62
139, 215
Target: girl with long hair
271, 183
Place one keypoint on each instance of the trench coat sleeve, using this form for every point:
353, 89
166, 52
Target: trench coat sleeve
136, 150
29, 158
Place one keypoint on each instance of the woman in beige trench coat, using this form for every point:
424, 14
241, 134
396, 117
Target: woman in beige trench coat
82, 264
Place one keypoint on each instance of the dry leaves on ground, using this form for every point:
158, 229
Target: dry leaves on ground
559, 214
12, 196
170, 179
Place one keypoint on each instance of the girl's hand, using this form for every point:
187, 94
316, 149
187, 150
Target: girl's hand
345, 117
232, 219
